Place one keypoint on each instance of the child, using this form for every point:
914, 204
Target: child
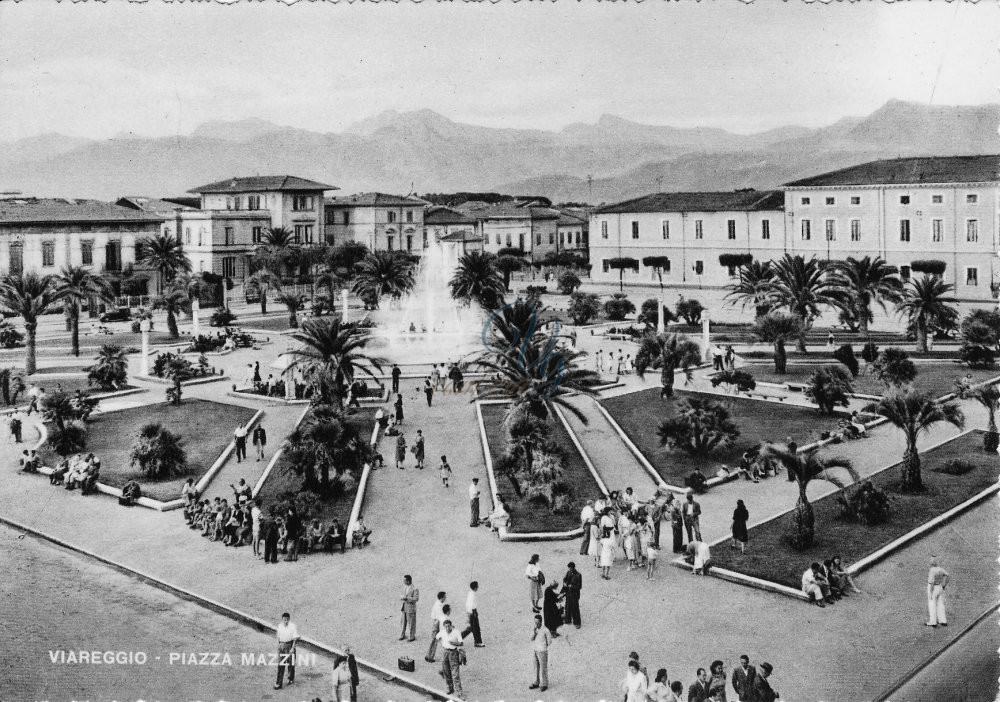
445, 470
651, 554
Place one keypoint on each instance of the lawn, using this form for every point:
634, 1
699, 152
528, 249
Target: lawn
770, 557
639, 414
527, 517
68, 384
111, 436
125, 339
935, 378
282, 480
269, 323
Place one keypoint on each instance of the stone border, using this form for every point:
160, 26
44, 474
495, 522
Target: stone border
194, 381
96, 396
386, 674
359, 496
265, 398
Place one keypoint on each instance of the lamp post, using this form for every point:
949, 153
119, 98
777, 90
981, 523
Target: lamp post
144, 327
343, 305
659, 314
195, 313
705, 336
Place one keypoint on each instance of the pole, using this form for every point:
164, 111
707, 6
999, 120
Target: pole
144, 326
706, 342
195, 313
343, 305
659, 314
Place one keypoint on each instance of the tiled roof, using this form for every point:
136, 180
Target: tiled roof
460, 236
446, 215
506, 210
251, 184
151, 204
738, 200
40, 210
374, 200
911, 171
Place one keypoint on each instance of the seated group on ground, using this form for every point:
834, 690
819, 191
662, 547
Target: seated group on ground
76, 472
828, 582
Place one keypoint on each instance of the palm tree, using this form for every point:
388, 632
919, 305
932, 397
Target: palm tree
806, 467
777, 328
512, 324
753, 287
668, 352
323, 442
507, 264
989, 397
261, 283
173, 301
383, 273
165, 254
277, 251
332, 355
804, 287
293, 302
327, 278
526, 433
865, 281
29, 295
927, 305
76, 285
478, 280
110, 369
915, 413
177, 369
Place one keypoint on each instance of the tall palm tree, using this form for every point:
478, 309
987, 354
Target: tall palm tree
173, 301
804, 287
165, 254
512, 324
262, 282
927, 305
478, 280
806, 467
110, 369
777, 328
753, 287
868, 280
278, 251
324, 441
507, 264
915, 413
29, 296
668, 352
333, 355
989, 397
293, 303
383, 273
76, 284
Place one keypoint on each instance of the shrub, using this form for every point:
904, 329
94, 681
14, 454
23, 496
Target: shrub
618, 307
894, 367
648, 313
829, 387
222, 318
110, 369
544, 481
739, 379
955, 466
158, 452
868, 504
70, 439
869, 352
307, 504
204, 343
10, 337
696, 481
931, 266
690, 311
845, 354
976, 356
699, 427
533, 295
583, 307
568, 282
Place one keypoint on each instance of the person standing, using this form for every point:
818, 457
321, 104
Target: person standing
418, 449
411, 596
437, 616
762, 691
451, 643
587, 517
634, 684
240, 438
793, 448
743, 679
541, 639
677, 526
435, 377
342, 686
428, 391
937, 581
15, 427
293, 531
474, 493
271, 534
692, 518
572, 587
395, 378
259, 439
550, 609
398, 405
255, 378
255, 518
352, 667
741, 515
698, 692
288, 636
607, 554
472, 611
535, 582
599, 361
400, 450
445, 470
717, 682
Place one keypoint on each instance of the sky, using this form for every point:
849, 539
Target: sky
158, 68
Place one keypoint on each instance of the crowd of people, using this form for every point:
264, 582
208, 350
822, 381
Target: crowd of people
77, 471
827, 582
710, 685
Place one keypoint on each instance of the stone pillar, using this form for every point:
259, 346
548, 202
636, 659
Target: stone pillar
706, 340
343, 305
659, 315
195, 312
144, 326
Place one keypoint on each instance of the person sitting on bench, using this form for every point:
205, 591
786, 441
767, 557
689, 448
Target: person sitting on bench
314, 537
91, 475
335, 535
130, 494
29, 461
58, 476
362, 533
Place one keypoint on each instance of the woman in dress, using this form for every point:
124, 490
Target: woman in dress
659, 691
717, 681
837, 568
628, 542
740, 518
400, 451
607, 554
341, 680
594, 549
399, 409
550, 608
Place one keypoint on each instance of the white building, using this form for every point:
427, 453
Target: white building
379, 221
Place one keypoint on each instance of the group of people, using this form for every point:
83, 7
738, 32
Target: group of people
825, 583
723, 358
291, 385
622, 364
77, 471
749, 683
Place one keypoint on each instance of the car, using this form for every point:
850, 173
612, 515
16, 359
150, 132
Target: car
122, 314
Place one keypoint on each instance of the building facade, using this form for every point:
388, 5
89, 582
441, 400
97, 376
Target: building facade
532, 229
449, 225
572, 230
379, 221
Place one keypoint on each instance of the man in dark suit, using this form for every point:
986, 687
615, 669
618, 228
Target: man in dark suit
743, 679
572, 585
698, 692
762, 691
692, 518
352, 665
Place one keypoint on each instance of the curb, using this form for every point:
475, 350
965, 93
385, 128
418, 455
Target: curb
637, 453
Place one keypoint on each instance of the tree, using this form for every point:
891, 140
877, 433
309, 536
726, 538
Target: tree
829, 388
332, 355
738, 380
777, 328
845, 354
568, 282
931, 266
507, 264
478, 280
690, 311
278, 250
67, 413
804, 287
173, 301
927, 305
668, 353
980, 334
583, 307
989, 397
648, 313
753, 287
110, 369
261, 283
894, 368
618, 307
868, 280
158, 452
77, 285
293, 303
914, 413
165, 255
659, 264
177, 369
325, 442
620, 264
512, 325
29, 296
383, 273
699, 427
806, 467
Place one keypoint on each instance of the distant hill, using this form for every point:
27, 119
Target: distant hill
423, 151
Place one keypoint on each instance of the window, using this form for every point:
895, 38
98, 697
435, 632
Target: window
498, 238
302, 203
731, 229
664, 227
347, 217
389, 242
16, 258
971, 199
201, 235
409, 242
237, 201
806, 230
937, 199
87, 253
855, 230
257, 234
831, 201
937, 230
508, 239
699, 232
604, 265
830, 227
904, 199
699, 267
765, 229
409, 215
972, 230
904, 230
253, 202
552, 238
806, 201
303, 234
229, 267
604, 229
230, 236
520, 241
187, 235
139, 254
635, 230
732, 271
855, 200
972, 276
904, 272
392, 217
425, 238
48, 253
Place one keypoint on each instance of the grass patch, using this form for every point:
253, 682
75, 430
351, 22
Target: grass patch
206, 428
935, 378
282, 479
770, 557
66, 384
125, 339
527, 517
639, 414
270, 323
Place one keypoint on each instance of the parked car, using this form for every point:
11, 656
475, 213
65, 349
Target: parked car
122, 314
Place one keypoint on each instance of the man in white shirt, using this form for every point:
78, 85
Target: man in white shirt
451, 642
937, 581
474, 493
541, 639
255, 515
534, 582
437, 615
810, 587
587, 516
240, 439
472, 611
288, 636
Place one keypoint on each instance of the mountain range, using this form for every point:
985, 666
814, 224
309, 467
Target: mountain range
423, 151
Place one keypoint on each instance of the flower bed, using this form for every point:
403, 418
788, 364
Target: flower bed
771, 558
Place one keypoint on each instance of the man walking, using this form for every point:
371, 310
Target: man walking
437, 616
472, 611
937, 581
409, 609
240, 437
474, 493
428, 391
541, 639
587, 517
395, 379
451, 642
259, 439
288, 636
762, 691
572, 585
743, 679
418, 449
692, 514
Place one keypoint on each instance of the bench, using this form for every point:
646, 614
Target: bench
796, 387
765, 393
